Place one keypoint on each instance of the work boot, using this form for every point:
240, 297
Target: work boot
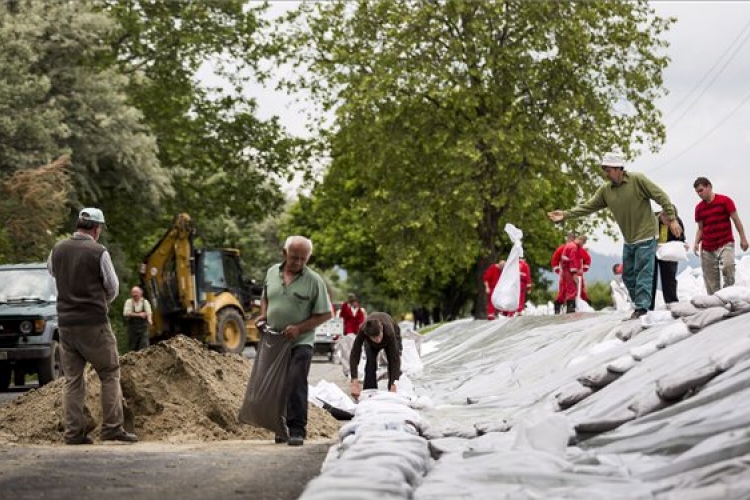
296, 441
122, 436
82, 439
558, 307
571, 306
279, 439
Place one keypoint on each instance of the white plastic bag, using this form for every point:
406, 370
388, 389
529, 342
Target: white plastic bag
672, 251
582, 305
507, 293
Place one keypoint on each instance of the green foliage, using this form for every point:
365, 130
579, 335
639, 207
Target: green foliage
453, 118
54, 99
600, 295
225, 164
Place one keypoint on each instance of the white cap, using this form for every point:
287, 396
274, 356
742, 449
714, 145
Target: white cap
92, 214
613, 159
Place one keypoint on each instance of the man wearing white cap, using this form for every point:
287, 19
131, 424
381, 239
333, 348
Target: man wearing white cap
628, 195
86, 285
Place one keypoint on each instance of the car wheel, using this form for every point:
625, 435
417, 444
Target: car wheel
5, 373
49, 368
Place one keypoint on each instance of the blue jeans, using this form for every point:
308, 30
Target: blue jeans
638, 271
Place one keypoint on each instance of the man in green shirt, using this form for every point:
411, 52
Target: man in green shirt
628, 195
295, 301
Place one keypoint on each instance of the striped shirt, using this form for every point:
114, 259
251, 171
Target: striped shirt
717, 226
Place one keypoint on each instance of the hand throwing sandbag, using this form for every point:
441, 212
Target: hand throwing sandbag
672, 251
265, 402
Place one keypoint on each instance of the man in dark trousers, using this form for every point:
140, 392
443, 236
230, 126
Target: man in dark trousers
378, 332
667, 270
86, 285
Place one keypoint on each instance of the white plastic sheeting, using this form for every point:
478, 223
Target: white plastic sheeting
666, 414
507, 292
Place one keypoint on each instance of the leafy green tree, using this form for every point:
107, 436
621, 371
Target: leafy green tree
454, 117
600, 295
54, 99
226, 165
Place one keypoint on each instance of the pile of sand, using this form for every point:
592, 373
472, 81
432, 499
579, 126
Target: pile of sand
175, 391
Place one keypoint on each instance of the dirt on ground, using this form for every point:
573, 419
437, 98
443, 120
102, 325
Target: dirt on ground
176, 391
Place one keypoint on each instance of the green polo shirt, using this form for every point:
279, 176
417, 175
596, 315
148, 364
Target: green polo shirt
304, 296
630, 203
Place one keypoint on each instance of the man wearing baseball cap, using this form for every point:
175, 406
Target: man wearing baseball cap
628, 195
86, 285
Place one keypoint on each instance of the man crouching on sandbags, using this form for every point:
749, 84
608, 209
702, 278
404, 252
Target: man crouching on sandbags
378, 332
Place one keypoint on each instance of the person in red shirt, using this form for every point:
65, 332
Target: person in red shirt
571, 270
714, 239
585, 264
525, 271
491, 277
352, 314
556, 257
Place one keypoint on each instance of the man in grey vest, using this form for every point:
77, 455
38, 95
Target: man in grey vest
86, 284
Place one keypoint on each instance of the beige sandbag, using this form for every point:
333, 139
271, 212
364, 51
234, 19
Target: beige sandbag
706, 301
682, 309
706, 317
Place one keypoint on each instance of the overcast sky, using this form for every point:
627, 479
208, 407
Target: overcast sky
707, 110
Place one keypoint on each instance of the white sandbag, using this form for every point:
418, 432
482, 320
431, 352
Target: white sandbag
620, 296
643, 351
672, 334
731, 354
647, 402
507, 293
682, 309
653, 318
672, 251
706, 301
706, 317
690, 284
622, 364
606, 423
582, 305
675, 387
328, 392
571, 394
598, 378
731, 293
627, 330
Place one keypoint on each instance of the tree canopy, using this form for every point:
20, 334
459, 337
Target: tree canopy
454, 117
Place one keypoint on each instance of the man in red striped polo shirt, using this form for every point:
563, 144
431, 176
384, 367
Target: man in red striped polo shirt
714, 237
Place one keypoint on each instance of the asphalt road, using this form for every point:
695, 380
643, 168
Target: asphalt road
161, 471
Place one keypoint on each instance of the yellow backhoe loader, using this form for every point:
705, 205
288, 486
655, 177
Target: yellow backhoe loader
199, 292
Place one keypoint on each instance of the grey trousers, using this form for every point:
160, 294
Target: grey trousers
97, 345
716, 264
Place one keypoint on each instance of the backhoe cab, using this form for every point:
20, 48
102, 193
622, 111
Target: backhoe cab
199, 292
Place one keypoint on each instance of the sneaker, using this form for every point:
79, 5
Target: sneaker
638, 313
296, 440
279, 439
123, 436
82, 439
